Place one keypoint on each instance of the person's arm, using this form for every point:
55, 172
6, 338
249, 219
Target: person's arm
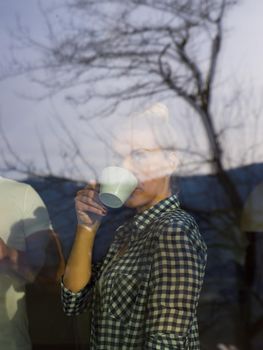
176, 280
78, 268
44, 250
16, 261
76, 282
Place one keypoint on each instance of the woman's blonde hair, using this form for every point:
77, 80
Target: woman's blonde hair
156, 119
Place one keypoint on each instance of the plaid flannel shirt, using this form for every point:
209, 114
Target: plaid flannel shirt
144, 294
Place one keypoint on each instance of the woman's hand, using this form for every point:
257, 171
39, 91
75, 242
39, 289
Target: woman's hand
89, 209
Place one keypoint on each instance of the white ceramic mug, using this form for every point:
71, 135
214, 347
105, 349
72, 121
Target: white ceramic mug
116, 185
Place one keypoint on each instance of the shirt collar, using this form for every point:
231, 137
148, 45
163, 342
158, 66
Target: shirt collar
143, 219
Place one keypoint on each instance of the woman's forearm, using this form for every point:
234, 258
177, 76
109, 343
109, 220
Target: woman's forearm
78, 268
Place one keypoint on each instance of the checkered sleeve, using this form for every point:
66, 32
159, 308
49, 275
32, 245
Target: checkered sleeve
74, 303
176, 280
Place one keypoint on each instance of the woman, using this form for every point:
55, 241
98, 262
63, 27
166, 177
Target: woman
145, 292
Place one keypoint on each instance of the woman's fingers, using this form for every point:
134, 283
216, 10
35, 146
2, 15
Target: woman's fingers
85, 198
82, 207
87, 201
88, 198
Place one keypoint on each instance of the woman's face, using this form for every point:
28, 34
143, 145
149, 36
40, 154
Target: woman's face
152, 166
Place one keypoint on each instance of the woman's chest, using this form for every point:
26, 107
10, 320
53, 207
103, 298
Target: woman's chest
123, 282
129, 258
